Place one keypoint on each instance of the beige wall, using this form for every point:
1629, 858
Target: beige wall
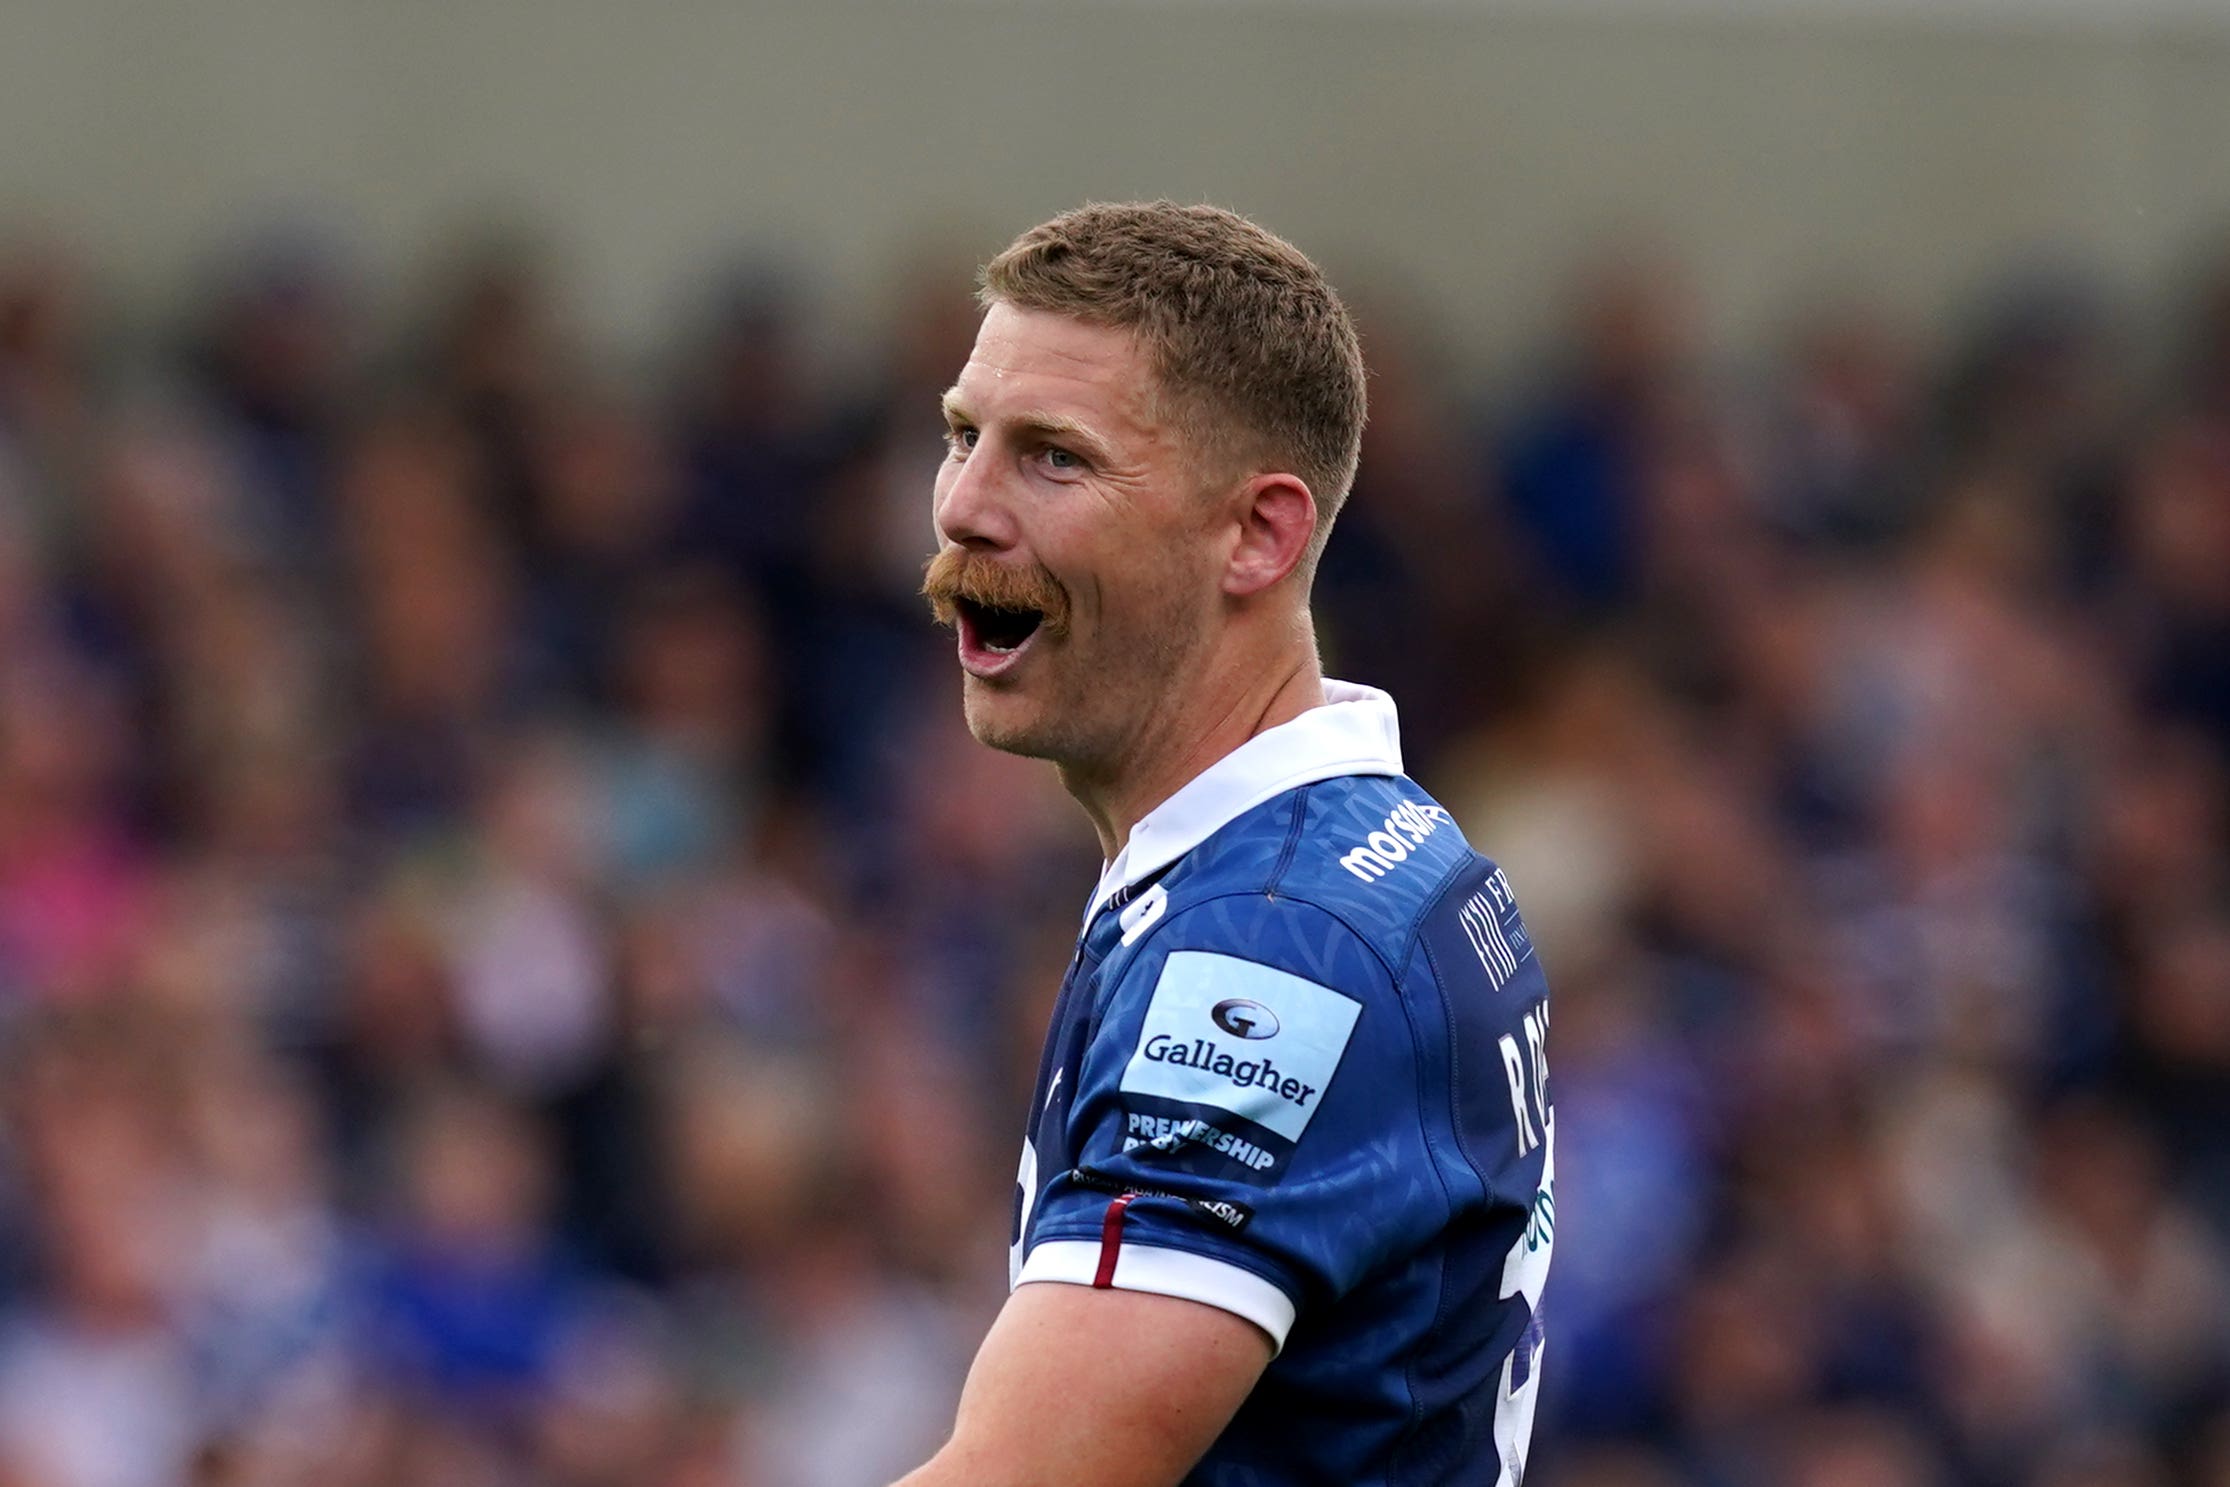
1464, 148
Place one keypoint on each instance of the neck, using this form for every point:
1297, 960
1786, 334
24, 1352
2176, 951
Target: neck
1181, 740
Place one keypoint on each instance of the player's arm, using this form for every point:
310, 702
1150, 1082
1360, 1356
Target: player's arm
1077, 1387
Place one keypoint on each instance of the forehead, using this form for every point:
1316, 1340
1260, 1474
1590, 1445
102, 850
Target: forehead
1034, 362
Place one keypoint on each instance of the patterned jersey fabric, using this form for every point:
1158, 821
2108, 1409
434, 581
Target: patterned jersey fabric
1297, 1072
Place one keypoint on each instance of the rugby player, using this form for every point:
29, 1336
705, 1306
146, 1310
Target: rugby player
1287, 1191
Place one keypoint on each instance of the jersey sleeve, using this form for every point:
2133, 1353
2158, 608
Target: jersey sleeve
1246, 1123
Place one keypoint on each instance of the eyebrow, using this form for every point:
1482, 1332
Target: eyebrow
1048, 425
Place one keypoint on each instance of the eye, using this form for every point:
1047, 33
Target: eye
1062, 459
959, 439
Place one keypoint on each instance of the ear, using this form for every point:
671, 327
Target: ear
1276, 517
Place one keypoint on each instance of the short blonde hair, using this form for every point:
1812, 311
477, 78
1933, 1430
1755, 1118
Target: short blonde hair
1253, 349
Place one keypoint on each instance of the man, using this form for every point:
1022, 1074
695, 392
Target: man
1286, 1197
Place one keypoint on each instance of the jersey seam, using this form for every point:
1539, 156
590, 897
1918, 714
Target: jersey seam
1432, 901
1425, 1133
1292, 840
1416, 928
1486, 1180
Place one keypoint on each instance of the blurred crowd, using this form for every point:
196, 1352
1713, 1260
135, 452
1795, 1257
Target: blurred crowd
512, 973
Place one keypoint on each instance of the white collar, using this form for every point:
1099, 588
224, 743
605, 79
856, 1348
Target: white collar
1356, 731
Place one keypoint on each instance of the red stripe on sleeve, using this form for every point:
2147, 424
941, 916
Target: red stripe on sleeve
1111, 1242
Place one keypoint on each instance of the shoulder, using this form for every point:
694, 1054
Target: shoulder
1372, 852
1236, 1016
1333, 881
1376, 843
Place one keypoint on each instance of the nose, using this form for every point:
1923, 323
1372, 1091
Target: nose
971, 509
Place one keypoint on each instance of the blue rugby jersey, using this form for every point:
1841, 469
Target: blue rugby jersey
1296, 1071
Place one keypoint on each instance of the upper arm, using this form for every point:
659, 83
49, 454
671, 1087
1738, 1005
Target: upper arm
1245, 1127
1097, 1388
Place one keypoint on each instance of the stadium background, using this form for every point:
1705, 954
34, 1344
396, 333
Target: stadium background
511, 973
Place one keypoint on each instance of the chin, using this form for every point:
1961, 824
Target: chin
1006, 722
1014, 724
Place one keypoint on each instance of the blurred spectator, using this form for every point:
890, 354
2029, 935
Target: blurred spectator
1575, 460
474, 1305
512, 973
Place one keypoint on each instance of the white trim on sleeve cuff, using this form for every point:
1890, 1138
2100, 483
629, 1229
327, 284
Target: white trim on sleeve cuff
1167, 1272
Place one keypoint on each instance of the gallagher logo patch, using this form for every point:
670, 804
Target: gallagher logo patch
1241, 1037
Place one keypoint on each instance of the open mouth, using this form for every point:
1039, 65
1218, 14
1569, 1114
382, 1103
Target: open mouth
992, 637
1002, 630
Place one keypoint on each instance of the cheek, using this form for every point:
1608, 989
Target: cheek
1129, 578
1155, 597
